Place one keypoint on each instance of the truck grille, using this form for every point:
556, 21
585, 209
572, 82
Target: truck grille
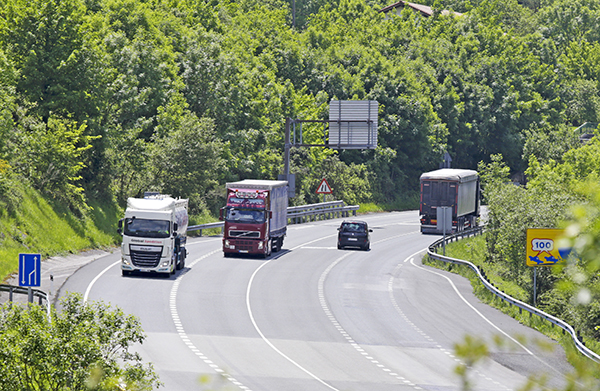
145, 259
244, 245
245, 234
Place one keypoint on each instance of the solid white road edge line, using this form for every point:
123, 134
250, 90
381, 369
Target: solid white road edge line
487, 320
91, 284
472, 307
449, 353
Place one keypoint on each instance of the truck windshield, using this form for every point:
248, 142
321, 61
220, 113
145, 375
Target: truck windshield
245, 215
147, 228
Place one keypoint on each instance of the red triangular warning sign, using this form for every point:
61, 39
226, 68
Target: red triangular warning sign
324, 187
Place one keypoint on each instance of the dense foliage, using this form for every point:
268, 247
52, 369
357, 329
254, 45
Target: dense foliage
559, 194
85, 346
105, 99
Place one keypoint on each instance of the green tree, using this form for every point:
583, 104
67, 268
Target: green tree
85, 346
548, 143
511, 211
45, 40
52, 158
187, 159
8, 77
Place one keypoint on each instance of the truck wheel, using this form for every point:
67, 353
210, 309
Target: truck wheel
279, 243
181, 263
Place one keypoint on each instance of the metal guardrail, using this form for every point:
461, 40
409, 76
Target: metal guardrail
431, 251
31, 293
295, 213
331, 209
299, 214
200, 227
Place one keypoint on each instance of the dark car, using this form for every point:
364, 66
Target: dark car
354, 234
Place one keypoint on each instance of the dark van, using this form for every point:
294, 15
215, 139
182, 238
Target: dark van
354, 234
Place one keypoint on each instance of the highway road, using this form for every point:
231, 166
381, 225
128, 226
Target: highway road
312, 317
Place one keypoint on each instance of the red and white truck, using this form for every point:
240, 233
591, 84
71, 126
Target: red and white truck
255, 217
452, 188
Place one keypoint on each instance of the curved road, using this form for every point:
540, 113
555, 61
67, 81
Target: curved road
312, 317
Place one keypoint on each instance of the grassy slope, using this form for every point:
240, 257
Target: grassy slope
38, 226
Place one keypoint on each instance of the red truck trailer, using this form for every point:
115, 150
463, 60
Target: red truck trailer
457, 189
255, 217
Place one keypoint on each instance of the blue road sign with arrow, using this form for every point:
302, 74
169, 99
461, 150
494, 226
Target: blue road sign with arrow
30, 269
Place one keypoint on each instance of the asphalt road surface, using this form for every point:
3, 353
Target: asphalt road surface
312, 317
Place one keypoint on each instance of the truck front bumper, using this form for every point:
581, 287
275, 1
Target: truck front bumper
163, 266
244, 246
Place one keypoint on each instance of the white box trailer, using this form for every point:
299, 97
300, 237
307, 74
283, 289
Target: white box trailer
154, 232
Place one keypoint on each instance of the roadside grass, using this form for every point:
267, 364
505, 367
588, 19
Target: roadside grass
473, 249
204, 218
369, 207
408, 202
38, 226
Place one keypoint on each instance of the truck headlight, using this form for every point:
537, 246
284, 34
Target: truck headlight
226, 243
124, 261
260, 245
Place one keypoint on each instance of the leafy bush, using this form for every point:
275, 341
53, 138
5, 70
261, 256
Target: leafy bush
85, 346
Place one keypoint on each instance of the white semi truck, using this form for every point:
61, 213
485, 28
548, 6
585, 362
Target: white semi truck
154, 233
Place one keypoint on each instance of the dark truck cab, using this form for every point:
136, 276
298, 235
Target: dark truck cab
255, 217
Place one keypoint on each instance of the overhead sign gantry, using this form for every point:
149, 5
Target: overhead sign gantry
352, 124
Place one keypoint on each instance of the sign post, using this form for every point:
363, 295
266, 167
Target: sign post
324, 188
543, 249
30, 272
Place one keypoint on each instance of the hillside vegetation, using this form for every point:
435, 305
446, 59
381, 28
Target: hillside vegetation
105, 99
37, 225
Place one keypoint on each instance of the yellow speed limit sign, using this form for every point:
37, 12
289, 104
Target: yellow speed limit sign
543, 247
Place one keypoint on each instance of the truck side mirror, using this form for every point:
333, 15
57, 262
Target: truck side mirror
175, 226
120, 227
221, 214
270, 214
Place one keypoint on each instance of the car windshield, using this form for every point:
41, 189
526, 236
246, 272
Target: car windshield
353, 227
147, 228
245, 216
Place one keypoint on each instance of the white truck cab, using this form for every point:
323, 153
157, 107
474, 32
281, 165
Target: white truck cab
154, 235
